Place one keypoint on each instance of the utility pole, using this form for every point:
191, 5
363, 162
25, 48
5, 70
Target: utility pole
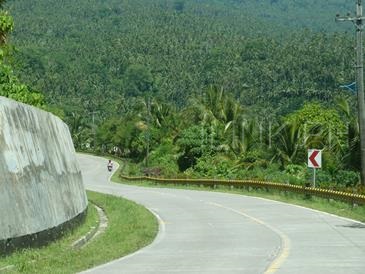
93, 120
148, 130
359, 24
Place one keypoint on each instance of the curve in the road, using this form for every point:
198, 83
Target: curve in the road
285, 241
210, 232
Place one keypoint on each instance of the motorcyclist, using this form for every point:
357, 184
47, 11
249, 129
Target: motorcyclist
110, 165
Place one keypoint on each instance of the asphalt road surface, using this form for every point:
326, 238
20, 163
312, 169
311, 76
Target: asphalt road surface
209, 232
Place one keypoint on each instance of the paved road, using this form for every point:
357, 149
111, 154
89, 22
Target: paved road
207, 232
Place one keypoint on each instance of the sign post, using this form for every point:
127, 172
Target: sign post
314, 161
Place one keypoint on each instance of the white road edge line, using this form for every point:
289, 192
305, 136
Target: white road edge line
159, 237
308, 208
285, 241
255, 197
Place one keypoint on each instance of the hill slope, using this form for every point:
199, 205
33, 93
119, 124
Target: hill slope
94, 54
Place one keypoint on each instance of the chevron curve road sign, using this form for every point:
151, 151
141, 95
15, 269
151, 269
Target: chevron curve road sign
314, 158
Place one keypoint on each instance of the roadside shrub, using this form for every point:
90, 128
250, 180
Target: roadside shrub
273, 174
296, 171
253, 159
131, 169
193, 143
164, 157
212, 167
347, 178
324, 178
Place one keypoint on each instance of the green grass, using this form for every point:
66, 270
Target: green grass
326, 205
130, 228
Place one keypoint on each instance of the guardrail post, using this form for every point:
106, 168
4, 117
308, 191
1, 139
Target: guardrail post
353, 202
307, 195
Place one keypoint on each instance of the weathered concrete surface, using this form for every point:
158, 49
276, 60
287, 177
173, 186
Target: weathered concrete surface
40, 180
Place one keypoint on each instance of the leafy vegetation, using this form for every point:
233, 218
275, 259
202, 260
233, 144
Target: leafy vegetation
94, 56
198, 88
208, 144
10, 86
326, 205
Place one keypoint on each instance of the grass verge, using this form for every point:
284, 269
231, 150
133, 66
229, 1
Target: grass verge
131, 227
326, 205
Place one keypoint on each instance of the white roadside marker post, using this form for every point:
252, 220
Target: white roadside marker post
314, 161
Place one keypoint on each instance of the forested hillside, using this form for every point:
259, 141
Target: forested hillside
95, 54
10, 86
225, 88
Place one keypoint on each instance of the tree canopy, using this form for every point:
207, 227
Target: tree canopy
87, 55
229, 88
10, 86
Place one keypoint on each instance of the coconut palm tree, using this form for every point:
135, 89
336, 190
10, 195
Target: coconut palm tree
226, 117
288, 145
352, 156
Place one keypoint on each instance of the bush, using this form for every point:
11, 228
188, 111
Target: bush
254, 158
339, 180
193, 143
164, 158
324, 178
347, 178
273, 174
131, 169
212, 167
296, 171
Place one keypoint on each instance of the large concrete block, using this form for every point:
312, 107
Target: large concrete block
40, 180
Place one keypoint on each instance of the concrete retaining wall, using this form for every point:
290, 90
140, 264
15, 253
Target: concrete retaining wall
40, 180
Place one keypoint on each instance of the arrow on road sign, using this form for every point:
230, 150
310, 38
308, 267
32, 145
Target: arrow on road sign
314, 158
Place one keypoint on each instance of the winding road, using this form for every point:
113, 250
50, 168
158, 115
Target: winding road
210, 232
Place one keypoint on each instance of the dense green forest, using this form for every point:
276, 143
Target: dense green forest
10, 86
112, 50
223, 88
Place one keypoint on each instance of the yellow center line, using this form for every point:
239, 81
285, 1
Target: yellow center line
285, 241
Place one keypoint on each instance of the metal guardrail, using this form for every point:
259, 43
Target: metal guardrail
352, 198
